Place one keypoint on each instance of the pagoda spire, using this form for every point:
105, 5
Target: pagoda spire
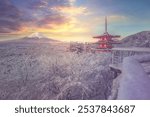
106, 40
105, 24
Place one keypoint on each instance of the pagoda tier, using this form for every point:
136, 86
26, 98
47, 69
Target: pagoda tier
106, 40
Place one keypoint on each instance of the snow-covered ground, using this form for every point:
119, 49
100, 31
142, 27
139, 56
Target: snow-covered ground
48, 71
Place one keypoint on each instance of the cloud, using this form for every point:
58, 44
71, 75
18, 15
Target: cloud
72, 24
36, 13
9, 17
38, 4
70, 10
52, 21
8, 26
72, 2
55, 18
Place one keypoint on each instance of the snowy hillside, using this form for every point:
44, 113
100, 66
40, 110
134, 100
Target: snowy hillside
47, 71
141, 39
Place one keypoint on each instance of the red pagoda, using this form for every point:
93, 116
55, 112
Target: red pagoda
106, 40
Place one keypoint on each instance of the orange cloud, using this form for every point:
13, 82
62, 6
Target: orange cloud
70, 10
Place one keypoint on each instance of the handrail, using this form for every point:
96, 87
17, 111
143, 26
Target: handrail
118, 54
134, 49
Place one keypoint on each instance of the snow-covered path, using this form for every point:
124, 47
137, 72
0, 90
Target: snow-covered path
135, 81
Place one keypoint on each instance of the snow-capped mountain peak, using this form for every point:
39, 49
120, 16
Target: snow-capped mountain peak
37, 35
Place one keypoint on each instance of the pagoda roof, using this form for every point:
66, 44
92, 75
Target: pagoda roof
107, 35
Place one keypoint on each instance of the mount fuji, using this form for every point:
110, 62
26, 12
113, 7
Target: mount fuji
37, 35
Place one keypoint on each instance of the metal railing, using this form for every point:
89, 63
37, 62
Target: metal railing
118, 54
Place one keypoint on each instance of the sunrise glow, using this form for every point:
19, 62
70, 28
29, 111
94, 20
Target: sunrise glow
72, 20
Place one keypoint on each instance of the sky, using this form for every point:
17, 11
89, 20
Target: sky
72, 20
